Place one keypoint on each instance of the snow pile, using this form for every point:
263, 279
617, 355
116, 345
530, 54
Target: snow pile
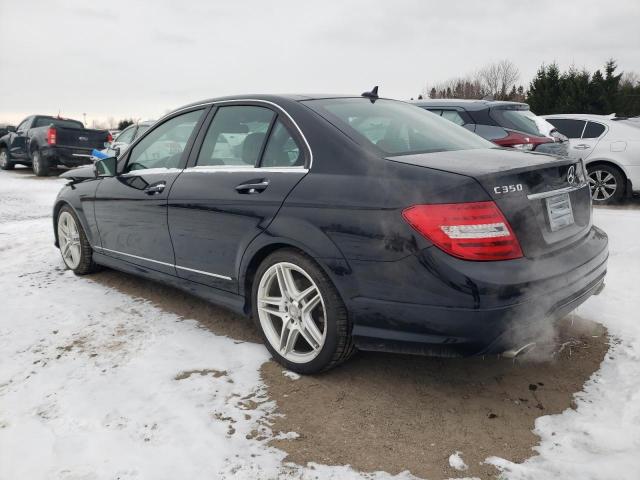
455, 461
96, 384
601, 438
291, 375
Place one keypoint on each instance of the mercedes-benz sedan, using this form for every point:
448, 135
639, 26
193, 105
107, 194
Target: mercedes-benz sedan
342, 223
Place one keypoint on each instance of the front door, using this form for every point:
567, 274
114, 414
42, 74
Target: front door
245, 164
131, 208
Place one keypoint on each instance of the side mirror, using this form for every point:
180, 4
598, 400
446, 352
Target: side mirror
11, 128
107, 167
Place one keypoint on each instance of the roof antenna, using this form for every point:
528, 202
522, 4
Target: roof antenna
372, 95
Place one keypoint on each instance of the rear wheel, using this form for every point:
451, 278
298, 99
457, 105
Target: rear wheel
607, 184
40, 164
74, 246
5, 163
302, 318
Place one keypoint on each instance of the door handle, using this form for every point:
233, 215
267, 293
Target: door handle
256, 187
582, 146
155, 188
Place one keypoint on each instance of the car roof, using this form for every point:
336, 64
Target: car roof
274, 98
467, 104
579, 116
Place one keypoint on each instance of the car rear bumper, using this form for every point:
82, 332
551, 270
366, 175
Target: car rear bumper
431, 303
67, 156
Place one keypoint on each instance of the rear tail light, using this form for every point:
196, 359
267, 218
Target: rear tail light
471, 231
521, 141
52, 136
109, 137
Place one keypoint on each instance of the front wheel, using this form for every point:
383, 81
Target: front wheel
74, 246
301, 316
606, 183
5, 163
40, 164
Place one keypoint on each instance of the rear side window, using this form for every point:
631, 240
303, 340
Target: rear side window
453, 116
282, 149
593, 130
568, 127
395, 127
236, 136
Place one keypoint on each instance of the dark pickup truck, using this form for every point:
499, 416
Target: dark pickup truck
44, 142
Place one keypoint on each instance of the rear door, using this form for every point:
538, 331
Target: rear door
246, 162
131, 208
591, 135
572, 128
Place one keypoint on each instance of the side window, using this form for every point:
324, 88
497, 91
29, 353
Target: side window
593, 130
164, 146
141, 130
453, 116
236, 136
23, 125
282, 149
126, 136
435, 111
568, 127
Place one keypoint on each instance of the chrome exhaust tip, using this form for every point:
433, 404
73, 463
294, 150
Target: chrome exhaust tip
516, 352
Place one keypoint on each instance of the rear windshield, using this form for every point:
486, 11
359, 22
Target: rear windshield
57, 122
522, 120
396, 128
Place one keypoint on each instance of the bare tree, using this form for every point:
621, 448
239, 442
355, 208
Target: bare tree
496, 79
630, 79
500, 78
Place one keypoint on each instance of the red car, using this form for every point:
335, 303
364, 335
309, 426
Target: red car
508, 124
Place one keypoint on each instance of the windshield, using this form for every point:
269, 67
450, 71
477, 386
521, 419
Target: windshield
396, 128
522, 120
57, 122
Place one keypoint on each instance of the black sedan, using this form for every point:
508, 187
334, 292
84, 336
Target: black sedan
342, 223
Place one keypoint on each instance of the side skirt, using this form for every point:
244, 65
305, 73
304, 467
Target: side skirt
229, 300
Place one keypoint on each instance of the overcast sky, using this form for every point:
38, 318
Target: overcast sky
141, 58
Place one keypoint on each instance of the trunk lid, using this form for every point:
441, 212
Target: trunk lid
544, 198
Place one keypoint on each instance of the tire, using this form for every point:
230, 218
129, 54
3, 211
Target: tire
607, 184
326, 311
5, 163
70, 230
40, 164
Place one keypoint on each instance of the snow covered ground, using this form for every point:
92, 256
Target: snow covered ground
96, 384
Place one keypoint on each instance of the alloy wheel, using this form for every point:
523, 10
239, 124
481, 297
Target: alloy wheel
69, 240
603, 185
4, 160
292, 312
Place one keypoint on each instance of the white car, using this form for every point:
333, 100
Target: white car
609, 146
127, 136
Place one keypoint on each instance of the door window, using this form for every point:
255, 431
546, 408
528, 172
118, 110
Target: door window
23, 125
164, 146
593, 130
126, 136
236, 136
282, 149
453, 116
570, 128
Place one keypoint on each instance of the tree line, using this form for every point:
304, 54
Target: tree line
602, 92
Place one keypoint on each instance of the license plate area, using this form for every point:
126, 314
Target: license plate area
559, 211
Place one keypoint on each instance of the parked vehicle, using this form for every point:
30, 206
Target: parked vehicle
610, 147
127, 136
3, 129
340, 223
44, 142
508, 124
